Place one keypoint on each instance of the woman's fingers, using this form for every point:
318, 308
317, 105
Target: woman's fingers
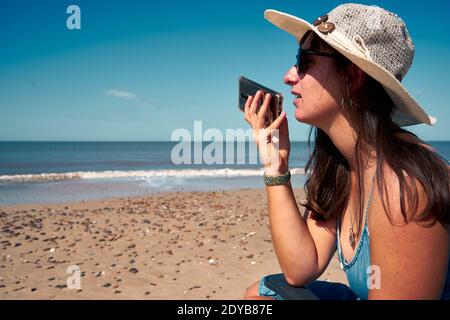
255, 102
266, 134
262, 112
257, 118
277, 123
247, 108
284, 129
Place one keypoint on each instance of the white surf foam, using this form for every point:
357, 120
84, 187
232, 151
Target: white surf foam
182, 173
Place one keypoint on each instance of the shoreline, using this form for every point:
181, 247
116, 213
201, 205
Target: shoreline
78, 190
168, 245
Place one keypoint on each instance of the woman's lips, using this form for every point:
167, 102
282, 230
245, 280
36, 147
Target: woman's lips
296, 100
298, 97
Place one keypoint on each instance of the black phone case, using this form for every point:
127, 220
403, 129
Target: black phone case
278, 284
248, 87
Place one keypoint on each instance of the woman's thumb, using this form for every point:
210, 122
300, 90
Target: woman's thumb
284, 130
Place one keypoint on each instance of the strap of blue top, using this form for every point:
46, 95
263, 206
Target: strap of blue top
338, 227
369, 200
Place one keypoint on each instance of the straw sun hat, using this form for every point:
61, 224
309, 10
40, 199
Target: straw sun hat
375, 40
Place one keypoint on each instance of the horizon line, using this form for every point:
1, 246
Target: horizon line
160, 141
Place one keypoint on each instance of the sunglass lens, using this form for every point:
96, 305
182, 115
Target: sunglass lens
298, 60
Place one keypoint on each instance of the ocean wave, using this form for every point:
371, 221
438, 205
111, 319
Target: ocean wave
182, 173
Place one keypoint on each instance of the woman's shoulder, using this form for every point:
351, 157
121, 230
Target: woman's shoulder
409, 243
393, 191
410, 138
412, 196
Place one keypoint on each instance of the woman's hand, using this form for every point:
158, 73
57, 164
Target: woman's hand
273, 141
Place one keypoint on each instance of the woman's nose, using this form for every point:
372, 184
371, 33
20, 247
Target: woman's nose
291, 77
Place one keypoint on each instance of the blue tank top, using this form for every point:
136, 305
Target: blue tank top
357, 270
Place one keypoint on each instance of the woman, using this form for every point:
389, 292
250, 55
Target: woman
376, 193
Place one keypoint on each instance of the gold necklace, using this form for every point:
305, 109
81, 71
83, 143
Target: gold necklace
351, 236
351, 233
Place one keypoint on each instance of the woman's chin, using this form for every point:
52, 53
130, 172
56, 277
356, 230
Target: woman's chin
299, 117
302, 117
299, 111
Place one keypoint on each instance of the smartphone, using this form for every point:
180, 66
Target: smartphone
249, 87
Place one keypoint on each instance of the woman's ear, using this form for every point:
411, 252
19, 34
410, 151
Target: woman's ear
357, 76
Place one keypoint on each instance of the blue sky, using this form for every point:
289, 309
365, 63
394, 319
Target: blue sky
137, 70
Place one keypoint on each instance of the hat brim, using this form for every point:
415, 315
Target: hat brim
407, 113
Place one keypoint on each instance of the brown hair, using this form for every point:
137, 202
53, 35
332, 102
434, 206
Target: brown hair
328, 175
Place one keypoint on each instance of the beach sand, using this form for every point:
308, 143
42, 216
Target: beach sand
189, 245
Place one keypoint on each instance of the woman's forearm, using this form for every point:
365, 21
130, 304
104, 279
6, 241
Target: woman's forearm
294, 246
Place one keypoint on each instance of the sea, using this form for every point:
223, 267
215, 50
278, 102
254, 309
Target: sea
63, 172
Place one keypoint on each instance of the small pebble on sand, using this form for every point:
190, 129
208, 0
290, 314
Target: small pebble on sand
133, 270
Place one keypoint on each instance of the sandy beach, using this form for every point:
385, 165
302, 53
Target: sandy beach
189, 245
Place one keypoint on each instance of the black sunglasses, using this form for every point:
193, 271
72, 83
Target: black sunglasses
301, 67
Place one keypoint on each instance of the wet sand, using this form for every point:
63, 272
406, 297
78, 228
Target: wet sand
189, 245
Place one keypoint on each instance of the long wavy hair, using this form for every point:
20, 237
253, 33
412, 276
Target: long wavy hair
328, 181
